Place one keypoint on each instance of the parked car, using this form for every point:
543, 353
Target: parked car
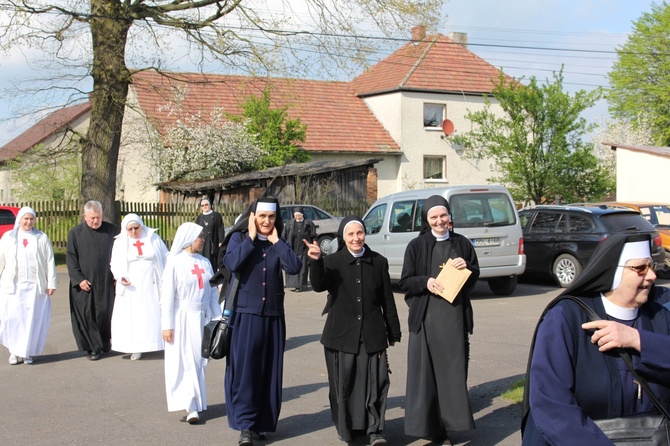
484, 214
560, 240
7, 218
326, 224
658, 214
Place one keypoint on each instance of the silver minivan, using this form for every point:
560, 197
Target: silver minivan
485, 214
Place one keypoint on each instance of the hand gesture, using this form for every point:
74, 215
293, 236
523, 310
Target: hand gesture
313, 250
252, 226
611, 334
273, 237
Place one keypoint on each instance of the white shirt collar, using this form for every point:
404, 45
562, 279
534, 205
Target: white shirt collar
621, 313
440, 238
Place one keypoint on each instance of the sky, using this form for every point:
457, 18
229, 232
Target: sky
523, 37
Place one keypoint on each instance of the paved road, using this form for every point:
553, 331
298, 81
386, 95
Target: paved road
64, 399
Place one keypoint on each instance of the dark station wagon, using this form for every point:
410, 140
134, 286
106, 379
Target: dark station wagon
559, 240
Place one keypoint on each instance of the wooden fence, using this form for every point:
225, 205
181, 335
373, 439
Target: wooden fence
56, 218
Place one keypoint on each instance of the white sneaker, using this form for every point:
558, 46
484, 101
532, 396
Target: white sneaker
13, 359
135, 356
27, 360
192, 417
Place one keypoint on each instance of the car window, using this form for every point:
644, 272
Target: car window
524, 218
7, 217
401, 216
545, 222
659, 216
580, 223
489, 209
320, 215
375, 219
309, 213
286, 214
622, 222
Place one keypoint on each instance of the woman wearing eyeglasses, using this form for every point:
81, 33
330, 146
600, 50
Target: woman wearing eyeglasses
575, 373
138, 259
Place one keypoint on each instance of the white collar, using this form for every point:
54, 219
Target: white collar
440, 238
621, 313
357, 254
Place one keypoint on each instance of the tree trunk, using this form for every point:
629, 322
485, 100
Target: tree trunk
111, 78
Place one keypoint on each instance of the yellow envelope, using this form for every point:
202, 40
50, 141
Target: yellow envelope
452, 279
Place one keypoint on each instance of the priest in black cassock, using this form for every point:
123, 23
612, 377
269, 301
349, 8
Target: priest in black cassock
213, 232
296, 230
89, 251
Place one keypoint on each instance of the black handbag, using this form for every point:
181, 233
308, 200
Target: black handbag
634, 430
216, 334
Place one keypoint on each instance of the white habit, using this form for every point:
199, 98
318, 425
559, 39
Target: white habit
136, 319
27, 270
188, 302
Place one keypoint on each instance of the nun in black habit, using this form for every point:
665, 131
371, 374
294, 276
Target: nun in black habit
256, 256
575, 373
437, 355
362, 321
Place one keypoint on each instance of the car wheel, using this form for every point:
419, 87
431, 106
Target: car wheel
566, 269
324, 242
503, 286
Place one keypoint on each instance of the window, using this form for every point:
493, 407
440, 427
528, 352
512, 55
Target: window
433, 115
401, 216
546, 222
433, 168
374, 220
580, 223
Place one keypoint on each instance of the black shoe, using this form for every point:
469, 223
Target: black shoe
93, 356
258, 436
296, 290
444, 440
377, 440
106, 348
245, 439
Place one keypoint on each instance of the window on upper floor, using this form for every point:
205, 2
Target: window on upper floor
434, 168
433, 115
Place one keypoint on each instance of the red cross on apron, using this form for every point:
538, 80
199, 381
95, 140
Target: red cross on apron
199, 271
138, 244
25, 242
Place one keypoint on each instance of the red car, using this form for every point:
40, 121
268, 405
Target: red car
7, 218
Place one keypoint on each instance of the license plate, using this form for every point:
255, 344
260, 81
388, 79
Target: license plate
483, 242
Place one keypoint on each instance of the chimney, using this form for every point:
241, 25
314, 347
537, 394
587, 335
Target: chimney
460, 38
418, 33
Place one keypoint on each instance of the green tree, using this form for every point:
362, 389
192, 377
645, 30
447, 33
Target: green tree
640, 78
46, 174
276, 134
536, 142
102, 39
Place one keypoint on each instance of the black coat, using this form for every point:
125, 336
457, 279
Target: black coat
416, 272
360, 301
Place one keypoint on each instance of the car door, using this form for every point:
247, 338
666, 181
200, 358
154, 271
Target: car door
540, 238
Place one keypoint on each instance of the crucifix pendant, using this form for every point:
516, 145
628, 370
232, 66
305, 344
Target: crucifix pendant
639, 389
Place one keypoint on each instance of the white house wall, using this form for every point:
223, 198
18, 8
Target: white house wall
401, 114
135, 175
641, 176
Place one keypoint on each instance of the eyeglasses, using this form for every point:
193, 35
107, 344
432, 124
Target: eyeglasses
133, 228
641, 270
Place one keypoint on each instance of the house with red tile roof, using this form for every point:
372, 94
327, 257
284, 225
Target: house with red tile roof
394, 111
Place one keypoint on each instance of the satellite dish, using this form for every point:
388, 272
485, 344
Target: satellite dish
447, 127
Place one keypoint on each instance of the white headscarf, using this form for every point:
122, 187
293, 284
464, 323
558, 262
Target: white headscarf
630, 251
185, 236
128, 219
23, 211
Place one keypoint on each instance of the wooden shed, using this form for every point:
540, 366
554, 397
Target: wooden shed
340, 187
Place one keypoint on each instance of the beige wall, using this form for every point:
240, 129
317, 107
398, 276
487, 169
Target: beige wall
641, 176
401, 114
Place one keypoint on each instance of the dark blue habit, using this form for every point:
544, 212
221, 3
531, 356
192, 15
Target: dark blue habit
254, 367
